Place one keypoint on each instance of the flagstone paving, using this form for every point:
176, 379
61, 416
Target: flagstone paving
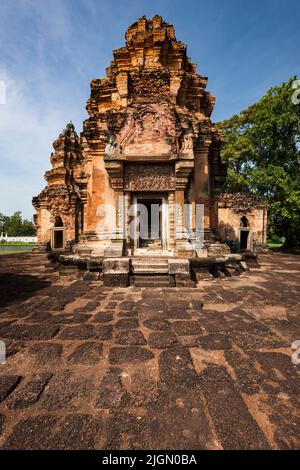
92, 367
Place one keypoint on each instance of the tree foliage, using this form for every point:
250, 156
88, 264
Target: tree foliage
262, 150
15, 226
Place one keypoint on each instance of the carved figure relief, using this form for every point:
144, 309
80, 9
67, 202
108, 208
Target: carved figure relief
142, 177
150, 130
187, 144
112, 147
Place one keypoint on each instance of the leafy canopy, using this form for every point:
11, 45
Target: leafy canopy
261, 147
15, 226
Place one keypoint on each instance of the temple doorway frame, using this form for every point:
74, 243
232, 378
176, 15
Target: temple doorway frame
58, 238
164, 229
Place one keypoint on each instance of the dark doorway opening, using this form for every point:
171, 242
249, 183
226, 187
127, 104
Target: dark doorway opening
58, 239
58, 235
244, 221
58, 222
150, 223
244, 239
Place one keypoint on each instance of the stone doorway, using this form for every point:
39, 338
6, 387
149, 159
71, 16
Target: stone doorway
58, 235
245, 234
151, 223
244, 239
58, 239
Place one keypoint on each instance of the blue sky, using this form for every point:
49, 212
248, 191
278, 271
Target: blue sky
51, 49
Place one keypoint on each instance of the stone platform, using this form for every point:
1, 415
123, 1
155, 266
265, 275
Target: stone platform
95, 367
159, 271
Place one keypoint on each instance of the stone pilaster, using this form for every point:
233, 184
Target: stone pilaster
171, 216
202, 180
183, 169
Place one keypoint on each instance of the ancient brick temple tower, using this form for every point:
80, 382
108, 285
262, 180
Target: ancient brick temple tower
148, 141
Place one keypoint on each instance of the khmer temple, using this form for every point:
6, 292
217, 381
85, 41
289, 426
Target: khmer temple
143, 179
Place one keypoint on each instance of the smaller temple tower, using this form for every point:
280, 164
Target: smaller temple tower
59, 206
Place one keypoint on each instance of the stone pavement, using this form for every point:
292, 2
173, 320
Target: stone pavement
92, 367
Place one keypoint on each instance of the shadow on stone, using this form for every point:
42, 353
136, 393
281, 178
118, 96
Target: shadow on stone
14, 287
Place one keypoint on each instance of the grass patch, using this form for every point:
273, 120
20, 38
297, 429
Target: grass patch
17, 243
275, 245
275, 242
12, 252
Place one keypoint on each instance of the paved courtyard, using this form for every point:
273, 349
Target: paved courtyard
93, 367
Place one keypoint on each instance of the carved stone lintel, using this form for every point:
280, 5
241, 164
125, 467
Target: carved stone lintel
149, 177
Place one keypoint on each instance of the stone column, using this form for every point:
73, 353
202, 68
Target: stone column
120, 215
179, 212
183, 169
202, 183
213, 212
128, 202
115, 172
171, 215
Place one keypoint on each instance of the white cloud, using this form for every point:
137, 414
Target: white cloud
38, 104
26, 134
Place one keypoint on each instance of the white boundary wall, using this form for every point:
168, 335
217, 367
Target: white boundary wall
18, 239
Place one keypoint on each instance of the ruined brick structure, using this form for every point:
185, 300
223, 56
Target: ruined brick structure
148, 139
242, 221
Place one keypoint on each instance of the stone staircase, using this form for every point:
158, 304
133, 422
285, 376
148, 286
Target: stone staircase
209, 237
155, 280
150, 272
149, 266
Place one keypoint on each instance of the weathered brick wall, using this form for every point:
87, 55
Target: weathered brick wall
231, 210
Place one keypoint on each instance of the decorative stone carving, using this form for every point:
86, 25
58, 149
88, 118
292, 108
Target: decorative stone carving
183, 170
67, 140
142, 177
149, 83
187, 144
150, 130
59, 201
112, 147
241, 202
162, 120
115, 171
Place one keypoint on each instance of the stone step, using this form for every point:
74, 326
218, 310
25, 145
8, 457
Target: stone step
149, 266
150, 270
157, 253
150, 263
149, 260
152, 281
146, 259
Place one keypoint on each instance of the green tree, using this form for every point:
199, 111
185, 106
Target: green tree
3, 223
262, 150
28, 229
15, 226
